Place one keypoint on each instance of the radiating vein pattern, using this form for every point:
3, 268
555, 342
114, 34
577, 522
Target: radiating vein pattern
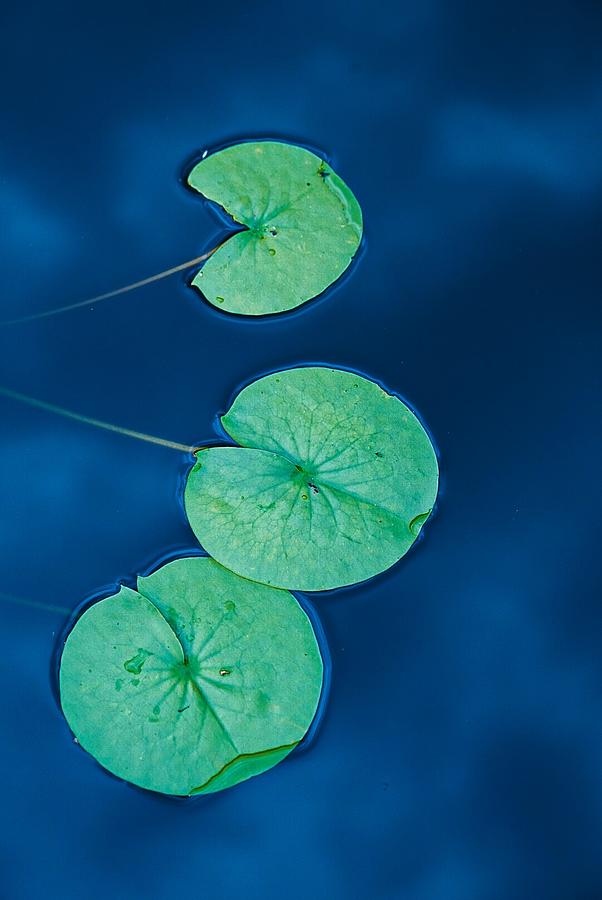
331, 483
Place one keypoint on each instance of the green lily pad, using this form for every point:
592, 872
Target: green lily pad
193, 683
303, 227
331, 485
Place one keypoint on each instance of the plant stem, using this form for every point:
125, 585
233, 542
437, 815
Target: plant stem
49, 607
87, 420
97, 423
116, 293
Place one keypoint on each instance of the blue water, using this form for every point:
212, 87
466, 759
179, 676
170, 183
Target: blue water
460, 755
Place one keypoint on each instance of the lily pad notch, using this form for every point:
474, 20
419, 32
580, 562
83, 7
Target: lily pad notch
301, 227
193, 682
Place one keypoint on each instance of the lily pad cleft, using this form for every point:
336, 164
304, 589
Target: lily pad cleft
302, 227
196, 681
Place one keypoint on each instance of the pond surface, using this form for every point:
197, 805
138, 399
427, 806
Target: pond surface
460, 755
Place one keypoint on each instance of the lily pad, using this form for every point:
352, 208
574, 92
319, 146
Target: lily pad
331, 485
302, 227
193, 683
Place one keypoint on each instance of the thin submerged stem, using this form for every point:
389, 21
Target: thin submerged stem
116, 293
37, 604
96, 423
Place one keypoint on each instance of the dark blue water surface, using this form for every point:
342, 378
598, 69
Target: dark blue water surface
460, 756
